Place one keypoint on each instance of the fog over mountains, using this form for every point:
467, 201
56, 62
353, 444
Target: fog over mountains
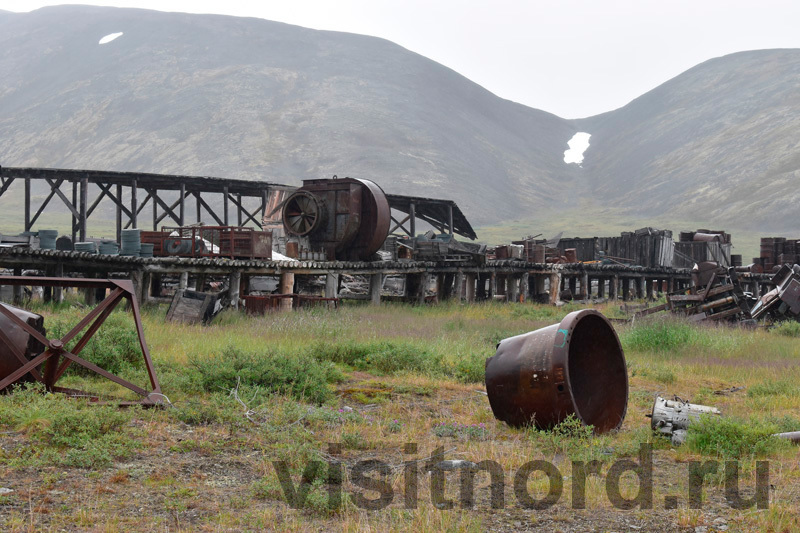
252, 99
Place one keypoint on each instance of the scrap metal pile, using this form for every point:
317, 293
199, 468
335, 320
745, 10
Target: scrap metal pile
718, 294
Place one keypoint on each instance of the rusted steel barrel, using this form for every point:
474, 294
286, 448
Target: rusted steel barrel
575, 367
15, 339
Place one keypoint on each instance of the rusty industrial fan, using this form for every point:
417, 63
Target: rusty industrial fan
346, 218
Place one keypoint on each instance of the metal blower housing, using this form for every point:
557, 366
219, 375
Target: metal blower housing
346, 218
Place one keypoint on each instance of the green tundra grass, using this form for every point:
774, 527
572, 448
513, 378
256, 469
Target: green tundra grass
247, 393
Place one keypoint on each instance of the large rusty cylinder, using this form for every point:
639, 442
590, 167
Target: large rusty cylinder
17, 346
576, 368
346, 218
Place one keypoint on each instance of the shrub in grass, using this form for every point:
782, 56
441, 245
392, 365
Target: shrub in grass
788, 329
658, 336
297, 375
66, 431
380, 357
471, 368
774, 388
114, 347
730, 438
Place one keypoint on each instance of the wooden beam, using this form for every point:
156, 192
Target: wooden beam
27, 204
84, 199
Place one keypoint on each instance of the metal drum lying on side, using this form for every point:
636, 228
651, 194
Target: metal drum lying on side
575, 367
16, 342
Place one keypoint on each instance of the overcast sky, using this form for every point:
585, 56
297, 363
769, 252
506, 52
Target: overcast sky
574, 58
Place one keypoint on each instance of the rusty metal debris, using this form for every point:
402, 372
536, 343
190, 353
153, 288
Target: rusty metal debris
26, 354
194, 307
784, 299
716, 295
210, 241
575, 367
777, 251
673, 417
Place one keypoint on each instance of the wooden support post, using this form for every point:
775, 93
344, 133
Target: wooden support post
331, 285
586, 289
27, 204
200, 282
470, 288
244, 285
197, 203
439, 287
136, 279
153, 196
524, 289
47, 292
17, 290
513, 288
182, 204
84, 200
375, 286
573, 287
458, 292
147, 279
493, 285
287, 287
74, 219
58, 292
264, 204
239, 209
555, 287
649, 288
625, 289
757, 289
601, 287
225, 205
423, 285
234, 285
134, 204
184, 281
118, 205
640, 289
671, 284
613, 288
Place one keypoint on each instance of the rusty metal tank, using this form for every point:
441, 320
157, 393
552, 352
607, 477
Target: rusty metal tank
346, 218
15, 343
574, 367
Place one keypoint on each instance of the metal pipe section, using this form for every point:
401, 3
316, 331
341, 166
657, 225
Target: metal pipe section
575, 367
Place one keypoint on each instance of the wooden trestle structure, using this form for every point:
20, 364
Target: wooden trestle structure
510, 280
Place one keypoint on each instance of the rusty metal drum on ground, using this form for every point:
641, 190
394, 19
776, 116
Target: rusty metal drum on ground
575, 367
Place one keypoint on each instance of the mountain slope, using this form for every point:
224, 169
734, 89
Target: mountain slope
248, 98
253, 99
718, 142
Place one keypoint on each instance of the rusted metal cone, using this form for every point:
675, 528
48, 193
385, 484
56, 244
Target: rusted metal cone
575, 367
